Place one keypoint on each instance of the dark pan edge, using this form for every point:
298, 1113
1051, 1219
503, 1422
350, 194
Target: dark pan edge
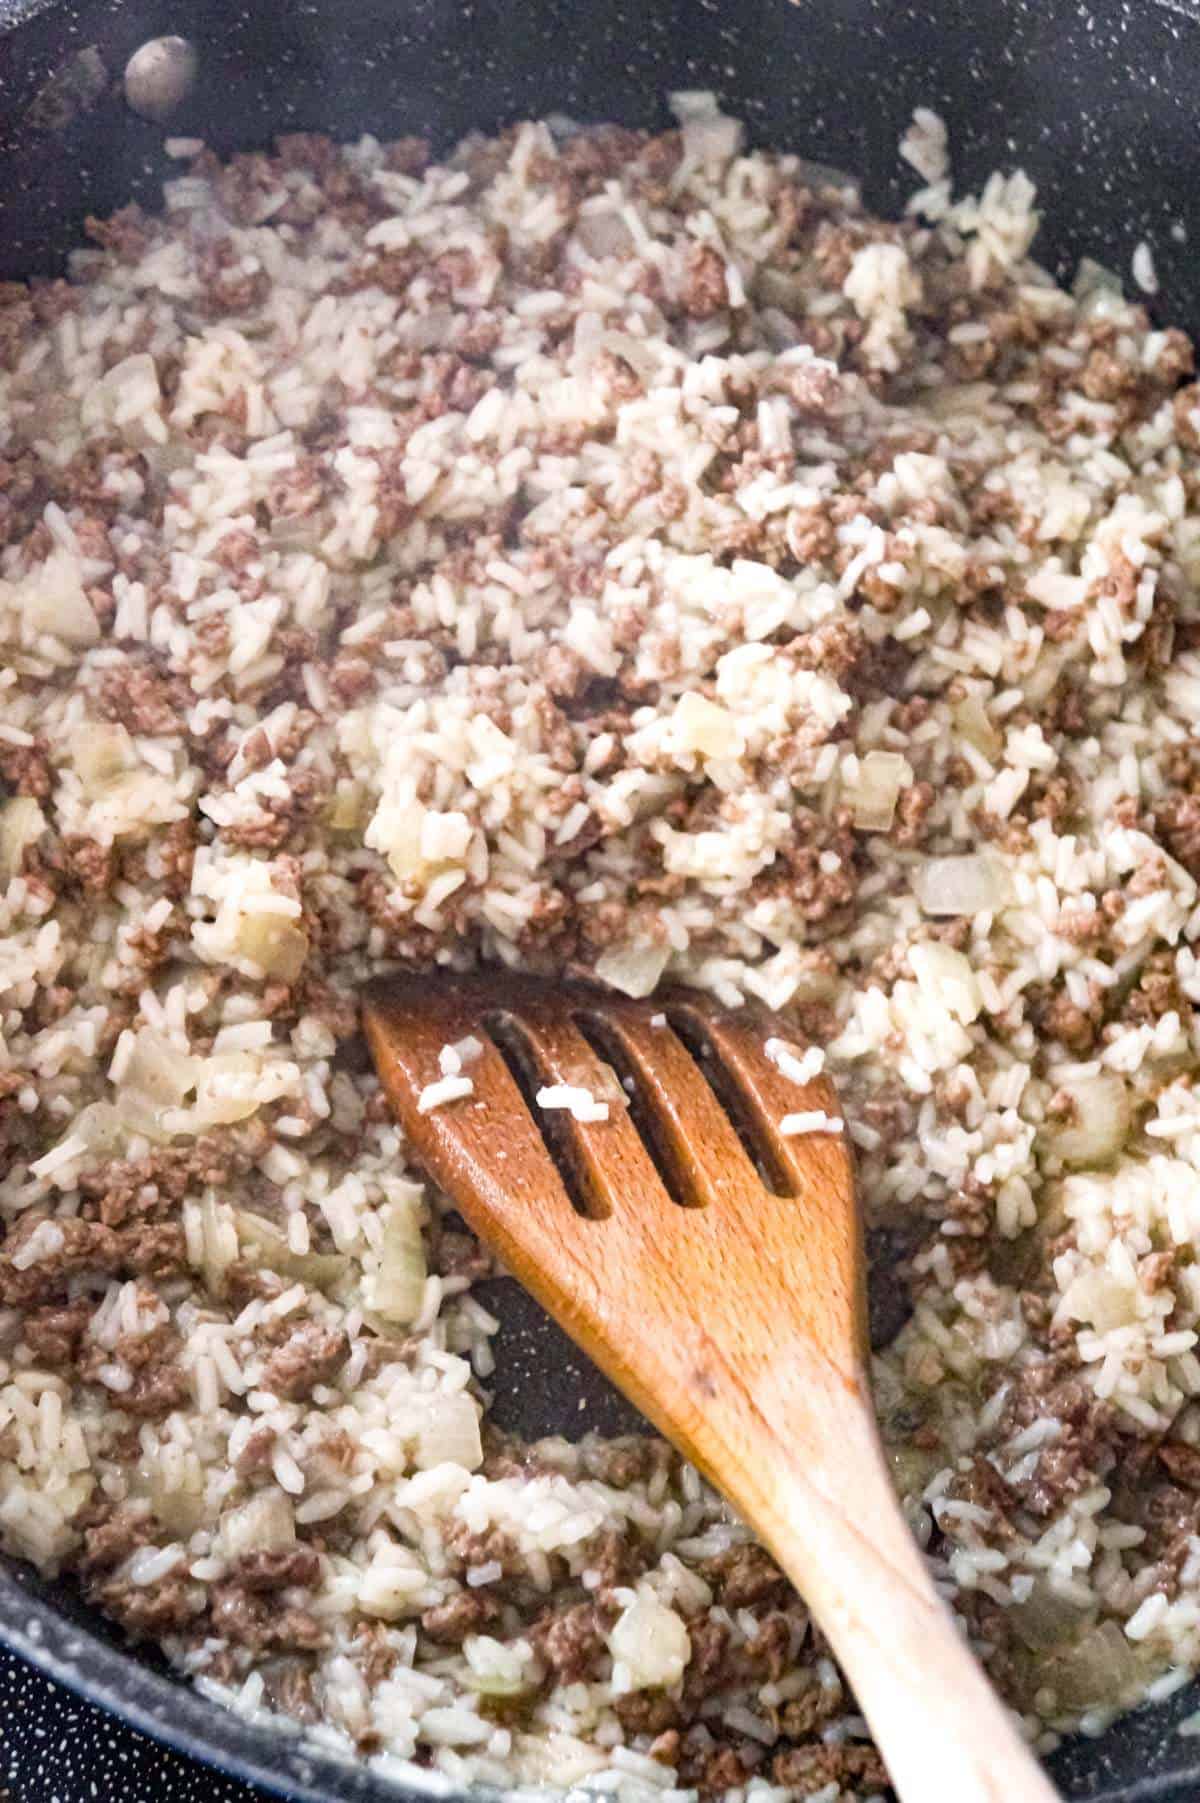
178, 1715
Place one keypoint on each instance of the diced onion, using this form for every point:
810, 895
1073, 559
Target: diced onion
224, 1089
873, 789
218, 1242
702, 726
633, 969
52, 600
974, 723
824, 175
100, 1125
277, 945
634, 351
177, 1507
21, 823
556, 1760
124, 395
398, 1289
652, 1644
1100, 1299
1097, 1125
712, 140
265, 1246
494, 1669
165, 459
390, 1582
1093, 278
971, 884
158, 1070
1046, 1619
265, 1524
449, 1434
348, 809
102, 755
156, 1078
1104, 1662
786, 288
947, 978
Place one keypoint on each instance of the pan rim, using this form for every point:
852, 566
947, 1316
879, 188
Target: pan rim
174, 1712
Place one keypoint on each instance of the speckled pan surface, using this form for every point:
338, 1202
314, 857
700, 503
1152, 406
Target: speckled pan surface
1099, 103
53, 1745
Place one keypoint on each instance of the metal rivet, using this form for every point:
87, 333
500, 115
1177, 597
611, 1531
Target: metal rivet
159, 76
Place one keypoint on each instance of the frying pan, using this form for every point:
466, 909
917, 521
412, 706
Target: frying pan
1099, 102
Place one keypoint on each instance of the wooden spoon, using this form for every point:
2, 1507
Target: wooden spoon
722, 1288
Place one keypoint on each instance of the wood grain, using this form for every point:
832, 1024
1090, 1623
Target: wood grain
733, 1316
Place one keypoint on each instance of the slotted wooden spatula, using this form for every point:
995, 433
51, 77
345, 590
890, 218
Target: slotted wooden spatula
712, 1265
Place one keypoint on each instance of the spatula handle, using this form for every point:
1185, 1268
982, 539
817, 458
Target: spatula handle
943, 1732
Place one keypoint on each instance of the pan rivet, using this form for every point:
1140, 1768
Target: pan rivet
159, 75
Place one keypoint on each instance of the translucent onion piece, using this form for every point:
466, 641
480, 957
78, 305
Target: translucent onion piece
1046, 1619
1102, 1663
156, 1078
389, 1583
219, 1242
265, 1246
158, 1071
634, 351
555, 1759
973, 722
652, 1643
398, 1288
449, 1434
100, 1125
1093, 278
711, 141
102, 756
971, 884
946, 976
277, 945
824, 175
52, 601
124, 395
701, 726
781, 288
1097, 1125
225, 1089
348, 808
265, 1524
1102, 1300
633, 969
494, 1669
875, 789
178, 1508
21, 823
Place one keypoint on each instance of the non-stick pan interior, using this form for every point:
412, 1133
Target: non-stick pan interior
1097, 102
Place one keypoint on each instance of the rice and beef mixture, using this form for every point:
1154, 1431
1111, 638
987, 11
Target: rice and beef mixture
620, 554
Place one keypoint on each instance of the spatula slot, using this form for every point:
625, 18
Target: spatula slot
555, 1126
666, 1156
756, 1145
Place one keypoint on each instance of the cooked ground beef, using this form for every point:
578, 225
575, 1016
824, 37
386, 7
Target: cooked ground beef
310, 1356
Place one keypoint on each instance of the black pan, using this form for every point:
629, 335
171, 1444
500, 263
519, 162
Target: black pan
1098, 100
